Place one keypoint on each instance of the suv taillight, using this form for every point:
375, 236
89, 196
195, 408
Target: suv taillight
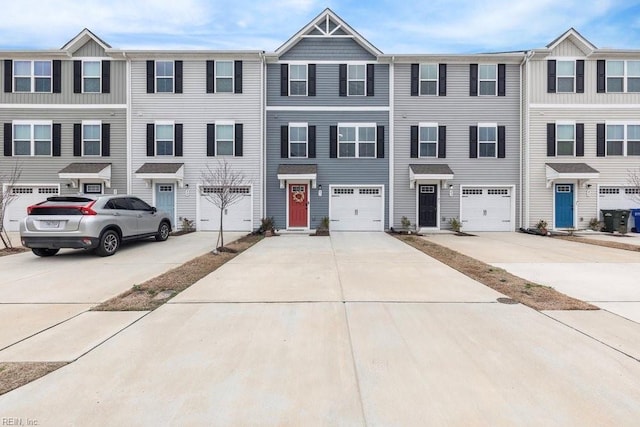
86, 210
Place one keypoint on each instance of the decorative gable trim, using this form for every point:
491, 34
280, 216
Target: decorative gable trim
81, 39
581, 43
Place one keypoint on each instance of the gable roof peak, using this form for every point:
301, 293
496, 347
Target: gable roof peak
576, 37
81, 39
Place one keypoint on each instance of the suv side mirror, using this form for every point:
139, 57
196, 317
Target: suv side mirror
153, 209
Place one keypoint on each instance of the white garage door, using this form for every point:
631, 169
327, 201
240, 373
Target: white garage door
236, 217
25, 196
619, 198
356, 209
486, 209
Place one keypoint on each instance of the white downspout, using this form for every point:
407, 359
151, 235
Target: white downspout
128, 122
391, 139
525, 182
263, 112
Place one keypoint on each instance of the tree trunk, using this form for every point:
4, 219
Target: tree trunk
220, 233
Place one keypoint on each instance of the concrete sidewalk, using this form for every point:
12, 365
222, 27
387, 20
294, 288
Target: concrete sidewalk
430, 349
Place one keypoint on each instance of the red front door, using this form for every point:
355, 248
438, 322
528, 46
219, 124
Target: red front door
298, 205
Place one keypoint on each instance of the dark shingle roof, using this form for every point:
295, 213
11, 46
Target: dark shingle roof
433, 169
84, 167
297, 169
572, 168
160, 168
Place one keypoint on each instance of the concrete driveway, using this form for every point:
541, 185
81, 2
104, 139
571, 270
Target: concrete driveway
352, 329
39, 293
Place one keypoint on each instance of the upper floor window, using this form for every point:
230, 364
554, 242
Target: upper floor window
487, 79
91, 75
356, 79
164, 139
565, 74
357, 140
32, 76
224, 76
91, 138
32, 139
428, 79
164, 76
623, 76
298, 140
565, 139
623, 140
224, 139
298, 79
487, 140
428, 143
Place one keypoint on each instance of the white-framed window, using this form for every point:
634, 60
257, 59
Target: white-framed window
487, 139
224, 76
428, 140
32, 138
565, 139
566, 76
487, 79
428, 79
91, 138
298, 140
356, 79
164, 76
92, 188
623, 139
32, 76
623, 76
91, 76
357, 140
164, 138
224, 139
298, 78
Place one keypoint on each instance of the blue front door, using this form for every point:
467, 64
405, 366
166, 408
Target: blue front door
165, 200
564, 206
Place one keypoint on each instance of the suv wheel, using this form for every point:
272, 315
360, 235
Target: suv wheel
44, 251
109, 243
163, 232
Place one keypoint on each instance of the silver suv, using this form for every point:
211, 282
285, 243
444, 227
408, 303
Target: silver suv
90, 222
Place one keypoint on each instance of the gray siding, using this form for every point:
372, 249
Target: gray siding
330, 171
327, 48
457, 111
90, 49
117, 95
44, 170
327, 93
194, 108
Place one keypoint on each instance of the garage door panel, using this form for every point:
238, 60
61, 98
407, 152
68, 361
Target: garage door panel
25, 196
237, 217
486, 209
356, 209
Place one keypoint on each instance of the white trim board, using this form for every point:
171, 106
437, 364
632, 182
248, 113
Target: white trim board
64, 106
325, 108
585, 106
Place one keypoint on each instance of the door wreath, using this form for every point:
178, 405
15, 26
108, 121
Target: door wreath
298, 196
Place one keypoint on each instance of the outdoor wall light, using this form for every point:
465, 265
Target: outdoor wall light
320, 190
450, 190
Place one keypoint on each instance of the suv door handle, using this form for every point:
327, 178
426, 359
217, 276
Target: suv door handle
139, 215
116, 214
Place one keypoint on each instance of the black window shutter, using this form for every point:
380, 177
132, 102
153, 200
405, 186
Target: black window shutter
151, 140
600, 140
442, 142
177, 134
551, 76
238, 142
602, 76
151, 76
414, 142
8, 139
502, 79
311, 69
551, 139
415, 79
380, 142
77, 76
210, 76
57, 76
284, 141
237, 70
473, 142
579, 139
106, 76
342, 79
106, 140
57, 139
178, 76
77, 139
211, 139
580, 76
284, 79
370, 79
442, 80
501, 142
333, 142
8, 76
311, 137
473, 80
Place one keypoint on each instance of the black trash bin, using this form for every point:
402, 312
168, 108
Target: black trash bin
607, 216
615, 220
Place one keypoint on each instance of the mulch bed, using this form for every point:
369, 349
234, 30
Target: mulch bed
12, 251
605, 243
17, 374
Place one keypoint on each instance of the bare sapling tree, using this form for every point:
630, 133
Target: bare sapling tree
225, 187
633, 178
8, 179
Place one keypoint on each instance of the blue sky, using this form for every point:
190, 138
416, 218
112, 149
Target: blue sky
454, 26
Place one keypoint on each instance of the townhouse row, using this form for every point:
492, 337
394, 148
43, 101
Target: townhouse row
329, 126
